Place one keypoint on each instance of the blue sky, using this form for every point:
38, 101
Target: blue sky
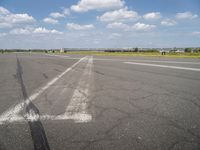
99, 23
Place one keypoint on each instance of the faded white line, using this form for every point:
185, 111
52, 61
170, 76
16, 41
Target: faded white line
140, 60
163, 66
77, 118
77, 107
154, 61
11, 113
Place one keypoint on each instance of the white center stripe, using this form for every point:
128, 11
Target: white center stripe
163, 66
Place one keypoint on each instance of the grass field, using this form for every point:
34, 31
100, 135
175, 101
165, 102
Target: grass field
142, 54
150, 54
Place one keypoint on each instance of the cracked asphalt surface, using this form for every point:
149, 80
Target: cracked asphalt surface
132, 107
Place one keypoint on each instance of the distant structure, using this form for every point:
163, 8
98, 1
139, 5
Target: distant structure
63, 50
161, 50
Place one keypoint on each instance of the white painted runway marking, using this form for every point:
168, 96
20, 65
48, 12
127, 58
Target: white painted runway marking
164, 66
77, 107
11, 114
77, 118
140, 60
76, 110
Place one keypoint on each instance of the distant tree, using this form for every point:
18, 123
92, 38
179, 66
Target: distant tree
174, 49
152, 50
196, 50
188, 50
136, 50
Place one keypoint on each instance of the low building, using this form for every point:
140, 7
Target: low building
63, 50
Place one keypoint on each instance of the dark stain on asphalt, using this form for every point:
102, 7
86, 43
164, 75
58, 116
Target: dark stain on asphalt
45, 76
40, 62
57, 70
98, 72
2, 146
39, 138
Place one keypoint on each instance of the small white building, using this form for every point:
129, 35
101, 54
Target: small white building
62, 50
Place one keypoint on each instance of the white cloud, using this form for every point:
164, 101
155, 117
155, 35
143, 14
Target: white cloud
186, 15
196, 33
119, 15
5, 25
136, 27
8, 19
50, 21
3, 11
56, 15
114, 36
19, 18
3, 34
66, 11
39, 30
86, 5
143, 27
118, 25
152, 16
168, 22
73, 26
20, 31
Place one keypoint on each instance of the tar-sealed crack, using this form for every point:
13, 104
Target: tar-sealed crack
39, 138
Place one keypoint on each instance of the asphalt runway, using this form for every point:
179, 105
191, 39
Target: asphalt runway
76, 102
